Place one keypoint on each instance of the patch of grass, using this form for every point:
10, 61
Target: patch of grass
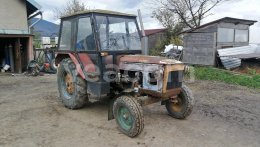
214, 74
252, 71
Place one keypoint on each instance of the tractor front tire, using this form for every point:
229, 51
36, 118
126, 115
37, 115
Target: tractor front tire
129, 115
72, 88
184, 105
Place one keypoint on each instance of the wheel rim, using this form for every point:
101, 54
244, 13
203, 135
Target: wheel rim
125, 118
177, 107
69, 84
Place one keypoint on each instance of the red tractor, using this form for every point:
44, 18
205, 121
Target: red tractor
99, 56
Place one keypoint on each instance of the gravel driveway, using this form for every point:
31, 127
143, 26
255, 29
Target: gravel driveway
32, 115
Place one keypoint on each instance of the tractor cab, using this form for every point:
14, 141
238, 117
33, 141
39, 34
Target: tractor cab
99, 33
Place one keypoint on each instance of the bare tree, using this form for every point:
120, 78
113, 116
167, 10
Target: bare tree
169, 20
165, 17
188, 12
71, 7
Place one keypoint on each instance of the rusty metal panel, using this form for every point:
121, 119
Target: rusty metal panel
88, 64
140, 67
76, 62
168, 69
148, 59
146, 69
150, 66
163, 96
147, 84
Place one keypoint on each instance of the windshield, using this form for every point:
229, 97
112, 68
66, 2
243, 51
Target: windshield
117, 33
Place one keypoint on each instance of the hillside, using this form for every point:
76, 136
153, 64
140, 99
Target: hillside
45, 28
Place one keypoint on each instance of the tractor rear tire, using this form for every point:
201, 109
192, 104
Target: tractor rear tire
129, 115
183, 107
72, 88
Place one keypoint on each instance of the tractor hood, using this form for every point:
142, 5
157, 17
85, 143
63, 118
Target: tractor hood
148, 59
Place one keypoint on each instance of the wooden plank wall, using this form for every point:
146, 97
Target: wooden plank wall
199, 48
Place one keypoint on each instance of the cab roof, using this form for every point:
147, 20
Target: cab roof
98, 11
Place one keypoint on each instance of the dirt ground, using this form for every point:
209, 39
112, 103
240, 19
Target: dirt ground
32, 115
249, 67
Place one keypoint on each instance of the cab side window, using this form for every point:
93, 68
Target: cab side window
65, 42
85, 36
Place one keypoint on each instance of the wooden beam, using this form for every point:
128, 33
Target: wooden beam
18, 60
29, 49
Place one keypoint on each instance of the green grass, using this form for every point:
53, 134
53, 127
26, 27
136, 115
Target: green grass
209, 73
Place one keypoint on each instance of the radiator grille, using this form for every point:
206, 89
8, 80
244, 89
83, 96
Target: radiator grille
175, 79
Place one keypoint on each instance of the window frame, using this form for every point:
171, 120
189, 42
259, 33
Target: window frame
246, 37
96, 34
93, 31
218, 35
60, 34
107, 29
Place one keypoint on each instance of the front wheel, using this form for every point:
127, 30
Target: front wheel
181, 108
129, 115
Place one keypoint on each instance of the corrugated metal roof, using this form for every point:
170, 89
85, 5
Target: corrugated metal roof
231, 57
246, 56
225, 19
230, 63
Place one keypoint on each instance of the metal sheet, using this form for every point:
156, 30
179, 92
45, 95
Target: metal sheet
230, 63
231, 57
246, 56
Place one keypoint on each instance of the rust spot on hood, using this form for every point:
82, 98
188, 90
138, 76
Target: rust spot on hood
148, 59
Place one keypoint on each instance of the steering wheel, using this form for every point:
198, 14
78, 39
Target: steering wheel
113, 42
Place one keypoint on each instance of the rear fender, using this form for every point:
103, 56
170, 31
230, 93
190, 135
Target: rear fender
85, 59
78, 67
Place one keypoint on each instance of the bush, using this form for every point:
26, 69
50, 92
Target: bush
159, 47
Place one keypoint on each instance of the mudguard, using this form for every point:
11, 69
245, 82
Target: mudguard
87, 65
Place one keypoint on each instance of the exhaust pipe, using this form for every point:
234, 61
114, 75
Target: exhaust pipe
144, 37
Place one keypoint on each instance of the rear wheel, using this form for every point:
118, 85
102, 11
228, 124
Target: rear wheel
182, 107
72, 88
129, 115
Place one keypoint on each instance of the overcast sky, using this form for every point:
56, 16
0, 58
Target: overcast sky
244, 9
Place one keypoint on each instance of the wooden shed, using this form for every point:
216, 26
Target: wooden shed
16, 42
201, 44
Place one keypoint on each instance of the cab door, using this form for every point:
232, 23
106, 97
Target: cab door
85, 44
89, 57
